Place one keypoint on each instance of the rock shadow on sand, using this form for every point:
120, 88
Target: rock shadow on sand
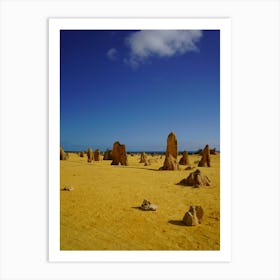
176, 223
143, 168
139, 208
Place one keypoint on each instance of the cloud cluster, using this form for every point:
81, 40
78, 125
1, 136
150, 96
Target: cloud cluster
157, 43
160, 43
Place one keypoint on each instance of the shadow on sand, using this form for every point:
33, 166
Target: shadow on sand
139, 208
187, 185
135, 167
177, 223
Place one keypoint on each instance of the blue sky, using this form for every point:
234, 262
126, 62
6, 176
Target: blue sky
137, 86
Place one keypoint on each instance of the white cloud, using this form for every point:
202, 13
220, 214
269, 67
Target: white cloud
112, 54
161, 43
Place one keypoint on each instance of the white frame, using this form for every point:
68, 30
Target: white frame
222, 24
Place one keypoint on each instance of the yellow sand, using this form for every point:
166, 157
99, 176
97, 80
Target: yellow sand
101, 212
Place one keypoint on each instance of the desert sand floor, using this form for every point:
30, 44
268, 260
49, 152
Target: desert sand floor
101, 213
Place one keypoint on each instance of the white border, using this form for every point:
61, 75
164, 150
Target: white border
222, 24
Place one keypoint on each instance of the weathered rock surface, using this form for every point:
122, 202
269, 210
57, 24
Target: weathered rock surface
194, 216
196, 179
119, 154
205, 160
184, 159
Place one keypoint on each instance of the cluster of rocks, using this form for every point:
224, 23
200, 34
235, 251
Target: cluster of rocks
192, 217
119, 156
171, 154
93, 156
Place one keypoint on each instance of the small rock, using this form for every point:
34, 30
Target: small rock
194, 216
147, 205
68, 188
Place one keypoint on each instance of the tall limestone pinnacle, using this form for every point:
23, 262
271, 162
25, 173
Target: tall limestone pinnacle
171, 154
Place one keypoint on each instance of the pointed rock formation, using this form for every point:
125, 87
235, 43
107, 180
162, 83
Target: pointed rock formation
194, 216
143, 157
90, 155
170, 162
205, 160
196, 179
171, 148
185, 159
119, 154
97, 156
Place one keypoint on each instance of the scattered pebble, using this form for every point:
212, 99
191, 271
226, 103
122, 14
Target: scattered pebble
68, 188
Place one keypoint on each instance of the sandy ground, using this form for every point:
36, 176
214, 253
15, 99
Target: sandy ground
101, 213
